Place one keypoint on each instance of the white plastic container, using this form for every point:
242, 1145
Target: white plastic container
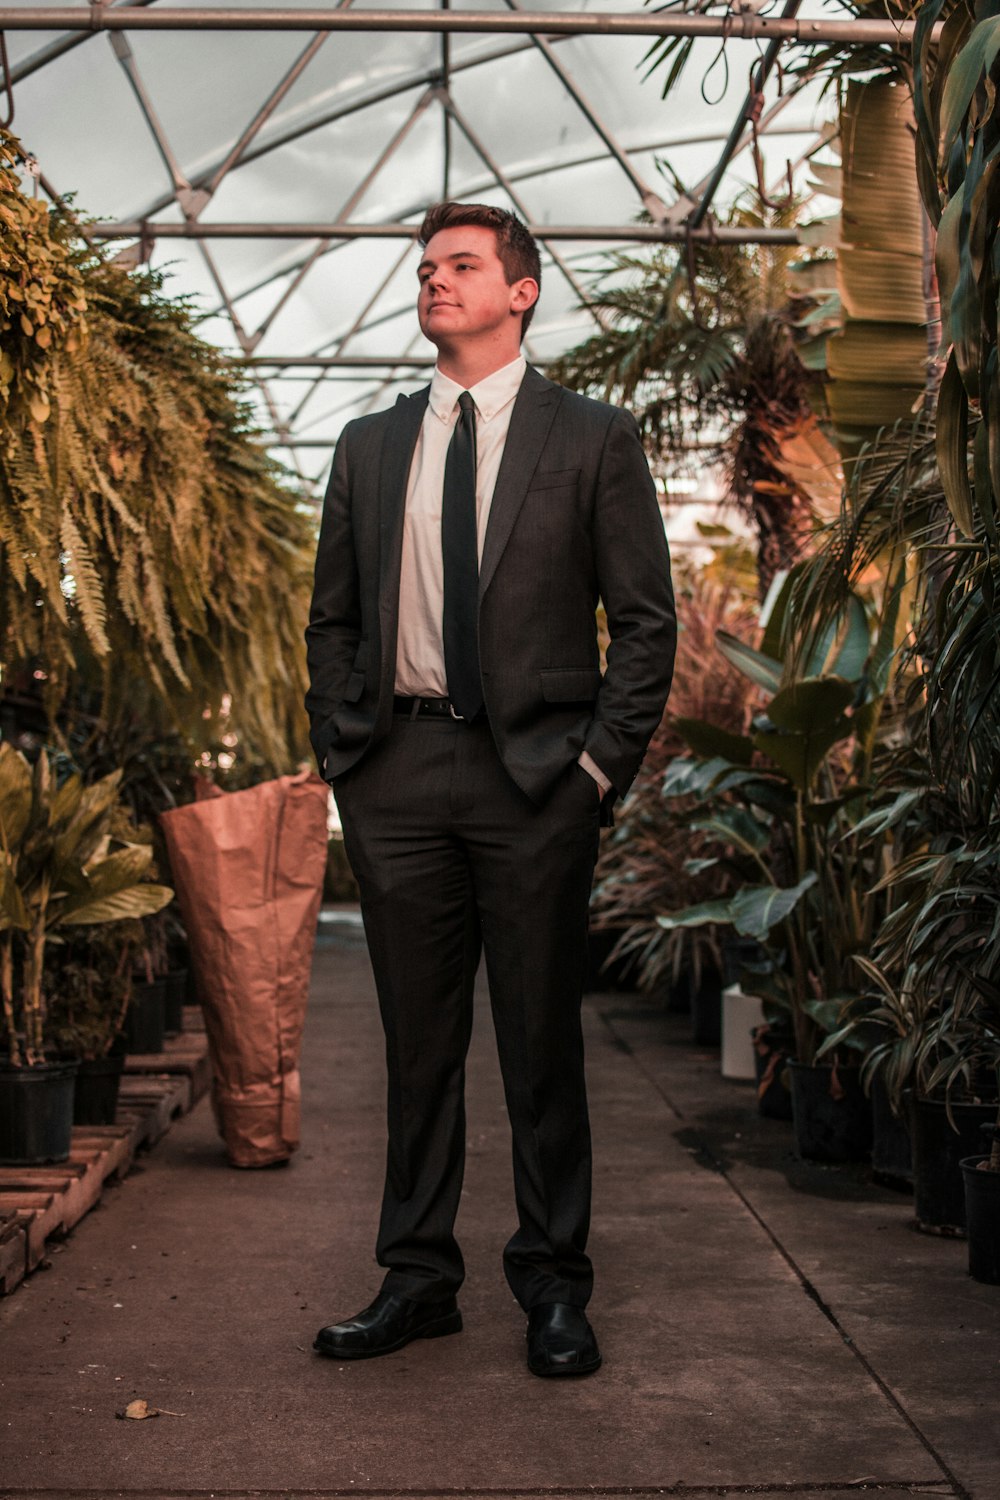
740, 1014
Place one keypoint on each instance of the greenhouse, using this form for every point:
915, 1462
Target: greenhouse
500, 719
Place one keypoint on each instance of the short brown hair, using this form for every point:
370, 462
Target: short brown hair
516, 248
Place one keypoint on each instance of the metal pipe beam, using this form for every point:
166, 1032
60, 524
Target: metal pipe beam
470, 190
671, 234
340, 361
44, 55
744, 27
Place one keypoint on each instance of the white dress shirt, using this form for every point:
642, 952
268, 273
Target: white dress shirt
420, 669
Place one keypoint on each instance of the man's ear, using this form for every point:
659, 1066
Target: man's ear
523, 294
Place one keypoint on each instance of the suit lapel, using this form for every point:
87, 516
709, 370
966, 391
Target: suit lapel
397, 455
534, 408
394, 470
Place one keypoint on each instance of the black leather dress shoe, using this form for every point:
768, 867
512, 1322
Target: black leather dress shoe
561, 1341
388, 1324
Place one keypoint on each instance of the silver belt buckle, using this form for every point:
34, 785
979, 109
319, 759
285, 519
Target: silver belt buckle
459, 718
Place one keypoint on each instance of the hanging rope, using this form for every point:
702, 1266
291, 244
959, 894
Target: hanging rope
8, 86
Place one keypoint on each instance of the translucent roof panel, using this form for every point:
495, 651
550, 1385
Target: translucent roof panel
234, 149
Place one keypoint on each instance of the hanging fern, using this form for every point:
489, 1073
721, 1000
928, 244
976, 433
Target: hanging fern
150, 549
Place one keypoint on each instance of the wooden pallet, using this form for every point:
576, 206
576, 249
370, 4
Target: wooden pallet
39, 1202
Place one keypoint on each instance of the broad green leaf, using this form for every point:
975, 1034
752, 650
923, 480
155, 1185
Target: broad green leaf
705, 913
826, 1013
801, 755
757, 909
734, 825
774, 612
975, 60
761, 669
81, 837
947, 260
709, 740
810, 705
66, 801
138, 901
952, 446
117, 873
15, 797
13, 912
853, 643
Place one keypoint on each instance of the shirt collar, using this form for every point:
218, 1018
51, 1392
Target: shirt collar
490, 395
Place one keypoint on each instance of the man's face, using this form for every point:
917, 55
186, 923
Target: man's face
463, 290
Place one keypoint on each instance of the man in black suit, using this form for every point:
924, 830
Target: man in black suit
459, 711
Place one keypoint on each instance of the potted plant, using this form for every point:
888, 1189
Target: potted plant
785, 807
88, 991
69, 857
651, 861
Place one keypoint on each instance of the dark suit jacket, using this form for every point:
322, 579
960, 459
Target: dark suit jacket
574, 518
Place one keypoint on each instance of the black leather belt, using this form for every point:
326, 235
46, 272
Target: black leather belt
424, 708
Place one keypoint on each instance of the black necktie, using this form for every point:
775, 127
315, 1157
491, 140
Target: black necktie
460, 555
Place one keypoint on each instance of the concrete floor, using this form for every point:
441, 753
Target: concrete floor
768, 1328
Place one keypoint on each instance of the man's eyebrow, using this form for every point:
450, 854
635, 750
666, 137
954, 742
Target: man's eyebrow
426, 265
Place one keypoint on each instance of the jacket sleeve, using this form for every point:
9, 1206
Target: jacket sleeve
334, 628
633, 566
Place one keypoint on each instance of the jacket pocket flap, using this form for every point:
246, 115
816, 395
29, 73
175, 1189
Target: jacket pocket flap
355, 687
550, 479
570, 684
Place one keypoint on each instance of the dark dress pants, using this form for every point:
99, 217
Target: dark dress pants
451, 857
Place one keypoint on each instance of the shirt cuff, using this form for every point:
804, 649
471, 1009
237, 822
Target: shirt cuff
592, 769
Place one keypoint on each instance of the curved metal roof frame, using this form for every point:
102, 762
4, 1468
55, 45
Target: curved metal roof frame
297, 302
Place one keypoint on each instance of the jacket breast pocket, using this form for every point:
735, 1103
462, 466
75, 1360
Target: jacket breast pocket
570, 684
552, 479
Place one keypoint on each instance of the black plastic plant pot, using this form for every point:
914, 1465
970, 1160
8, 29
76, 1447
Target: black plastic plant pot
833, 1121
95, 1101
938, 1150
176, 997
770, 1057
706, 1009
36, 1113
892, 1158
145, 1017
982, 1212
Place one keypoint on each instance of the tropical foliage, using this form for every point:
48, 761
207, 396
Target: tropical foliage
786, 806
652, 862
137, 504
70, 856
699, 344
